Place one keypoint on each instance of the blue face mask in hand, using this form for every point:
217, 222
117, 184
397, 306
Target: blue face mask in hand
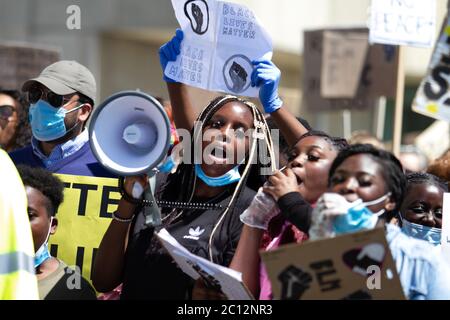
47, 122
230, 177
418, 231
358, 217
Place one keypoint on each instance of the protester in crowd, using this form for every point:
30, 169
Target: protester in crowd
441, 167
284, 209
412, 159
15, 131
56, 281
61, 101
17, 278
364, 137
421, 210
367, 188
215, 193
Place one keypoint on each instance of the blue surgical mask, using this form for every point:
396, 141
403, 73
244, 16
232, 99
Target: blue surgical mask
358, 217
418, 231
47, 122
228, 178
42, 254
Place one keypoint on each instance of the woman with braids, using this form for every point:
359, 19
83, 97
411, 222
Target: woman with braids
205, 198
15, 131
420, 214
367, 186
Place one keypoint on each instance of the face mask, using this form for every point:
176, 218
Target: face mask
418, 231
228, 178
42, 254
358, 217
47, 122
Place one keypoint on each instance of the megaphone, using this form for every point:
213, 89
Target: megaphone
130, 135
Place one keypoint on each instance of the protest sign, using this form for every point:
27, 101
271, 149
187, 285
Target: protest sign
83, 219
433, 96
20, 63
403, 22
215, 276
221, 40
353, 266
377, 76
435, 140
445, 240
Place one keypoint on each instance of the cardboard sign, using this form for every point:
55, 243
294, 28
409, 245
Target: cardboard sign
403, 22
218, 277
221, 40
445, 240
21, 63
435, 140
83, 219
344, 55
376, 78
354, 266
433, 96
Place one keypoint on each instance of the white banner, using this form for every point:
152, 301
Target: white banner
221, 40
403, 22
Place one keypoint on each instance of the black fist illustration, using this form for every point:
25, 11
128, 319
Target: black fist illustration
294, 283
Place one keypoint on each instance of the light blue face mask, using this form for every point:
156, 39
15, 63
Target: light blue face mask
228, 178
47, 122
358, 217
418, 231
42, 254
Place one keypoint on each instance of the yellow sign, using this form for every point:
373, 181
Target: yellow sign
83, 218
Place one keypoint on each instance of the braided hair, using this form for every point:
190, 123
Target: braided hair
337, 143
250, 173
392, 170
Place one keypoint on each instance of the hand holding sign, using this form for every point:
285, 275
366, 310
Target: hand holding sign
267, 76
220, 41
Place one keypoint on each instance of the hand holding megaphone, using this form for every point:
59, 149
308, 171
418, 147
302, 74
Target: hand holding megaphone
136, 185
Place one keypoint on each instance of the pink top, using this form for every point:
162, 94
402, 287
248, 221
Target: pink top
288, 234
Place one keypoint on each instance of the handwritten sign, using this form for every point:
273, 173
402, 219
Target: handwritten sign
433, 96
20, 63
403, 22
354, 266
220, 41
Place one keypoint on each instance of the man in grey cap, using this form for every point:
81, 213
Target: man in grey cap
61, 100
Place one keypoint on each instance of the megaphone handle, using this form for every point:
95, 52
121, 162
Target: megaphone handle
151, 213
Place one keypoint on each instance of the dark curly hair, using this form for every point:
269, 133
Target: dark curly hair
392, 170
23, 133
419, 178
44, 181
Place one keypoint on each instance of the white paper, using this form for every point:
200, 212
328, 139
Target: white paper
403, 22
221, 39
445, 240
230, 281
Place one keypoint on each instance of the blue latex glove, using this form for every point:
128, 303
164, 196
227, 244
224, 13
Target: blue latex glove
267, 76
170, 51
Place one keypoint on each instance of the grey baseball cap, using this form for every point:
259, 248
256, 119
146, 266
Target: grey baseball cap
66, 77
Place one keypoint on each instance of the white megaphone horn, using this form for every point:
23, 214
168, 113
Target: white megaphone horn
130, 135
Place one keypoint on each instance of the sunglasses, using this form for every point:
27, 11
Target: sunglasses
6, 111
55, 100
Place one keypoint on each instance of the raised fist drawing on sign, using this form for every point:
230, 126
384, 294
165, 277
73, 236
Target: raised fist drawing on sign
294, 283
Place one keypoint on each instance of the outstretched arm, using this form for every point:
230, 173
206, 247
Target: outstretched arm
267, 76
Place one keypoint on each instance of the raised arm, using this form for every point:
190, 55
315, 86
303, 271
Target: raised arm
267, 76
183, 113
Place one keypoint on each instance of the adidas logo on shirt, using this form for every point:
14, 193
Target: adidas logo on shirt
194, 234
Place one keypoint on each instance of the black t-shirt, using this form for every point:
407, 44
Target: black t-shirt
150, 273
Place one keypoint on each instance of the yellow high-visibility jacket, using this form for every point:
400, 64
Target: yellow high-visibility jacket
17, 274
